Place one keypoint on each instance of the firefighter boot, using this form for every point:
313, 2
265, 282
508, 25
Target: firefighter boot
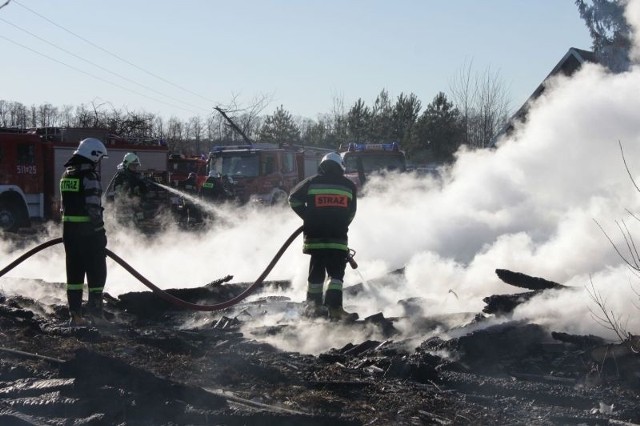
333, 301
313, 306
76, 320
339, 314
94, 308
74, 299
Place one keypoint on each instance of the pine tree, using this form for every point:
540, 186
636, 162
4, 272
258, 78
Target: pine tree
609, 30
279, 128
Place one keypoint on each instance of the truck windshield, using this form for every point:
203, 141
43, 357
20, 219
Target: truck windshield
236, 165
374, 162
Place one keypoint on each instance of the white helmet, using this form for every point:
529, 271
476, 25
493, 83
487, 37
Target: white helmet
335, 157
130, 158
92, 149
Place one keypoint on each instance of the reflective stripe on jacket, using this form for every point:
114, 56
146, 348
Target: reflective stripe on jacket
327, 205
81, 192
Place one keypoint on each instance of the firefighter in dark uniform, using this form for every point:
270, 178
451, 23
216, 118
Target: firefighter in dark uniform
129, 190
214, 189
190, 184
128, 177
326, 203
83, 231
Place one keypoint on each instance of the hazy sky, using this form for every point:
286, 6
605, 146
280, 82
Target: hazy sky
181, 58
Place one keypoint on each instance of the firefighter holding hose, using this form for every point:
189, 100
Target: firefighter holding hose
130, 192
327, 204
83, 231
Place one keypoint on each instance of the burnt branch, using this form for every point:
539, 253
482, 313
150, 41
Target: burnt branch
521, 280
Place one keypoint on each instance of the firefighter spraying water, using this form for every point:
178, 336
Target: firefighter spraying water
246, 174
34, 160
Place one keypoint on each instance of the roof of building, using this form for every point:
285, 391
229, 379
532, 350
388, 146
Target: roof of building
569, 64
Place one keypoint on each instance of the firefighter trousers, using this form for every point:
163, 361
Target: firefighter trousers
85, 256
325, 263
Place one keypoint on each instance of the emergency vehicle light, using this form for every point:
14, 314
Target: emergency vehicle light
391, 146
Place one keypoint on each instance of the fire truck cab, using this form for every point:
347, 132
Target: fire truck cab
263, 173
363, 159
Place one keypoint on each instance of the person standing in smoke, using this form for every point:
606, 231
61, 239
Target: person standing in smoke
327, 204
83, 232
190, 184
128, 189
216, 188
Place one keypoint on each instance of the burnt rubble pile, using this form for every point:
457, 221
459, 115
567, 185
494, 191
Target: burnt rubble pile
158, 365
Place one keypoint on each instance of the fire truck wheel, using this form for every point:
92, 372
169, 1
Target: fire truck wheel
9, 217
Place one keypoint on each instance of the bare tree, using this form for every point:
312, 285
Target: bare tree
47, 116
98, 114
630, 256
83, 116
196, 128
233, 125
4, 113
215, 129
66, 116
246, 119
338, 122
493, 106
483, 102
464, 92
174, 135
158, 127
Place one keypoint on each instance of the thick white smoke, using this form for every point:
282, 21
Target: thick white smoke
529, 206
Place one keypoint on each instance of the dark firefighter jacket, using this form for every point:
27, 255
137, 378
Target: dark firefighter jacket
327, 204
189, 185
128, 183
80, 190
214, 189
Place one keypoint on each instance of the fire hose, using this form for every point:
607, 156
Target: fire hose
158, 291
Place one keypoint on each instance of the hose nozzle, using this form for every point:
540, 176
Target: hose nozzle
350, 259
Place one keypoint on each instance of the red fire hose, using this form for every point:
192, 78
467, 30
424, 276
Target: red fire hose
161, 293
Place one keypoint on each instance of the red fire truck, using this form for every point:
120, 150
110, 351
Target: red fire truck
263, 173
31, 164
179, 167
363, 159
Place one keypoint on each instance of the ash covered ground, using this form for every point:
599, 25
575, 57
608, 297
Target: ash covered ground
156, 364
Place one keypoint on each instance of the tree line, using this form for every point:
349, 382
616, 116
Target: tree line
429, 135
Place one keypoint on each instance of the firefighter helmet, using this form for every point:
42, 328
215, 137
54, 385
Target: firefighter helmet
129, 159
92, 149
335, 157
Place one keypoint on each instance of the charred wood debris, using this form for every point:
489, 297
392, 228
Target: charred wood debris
157, 365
